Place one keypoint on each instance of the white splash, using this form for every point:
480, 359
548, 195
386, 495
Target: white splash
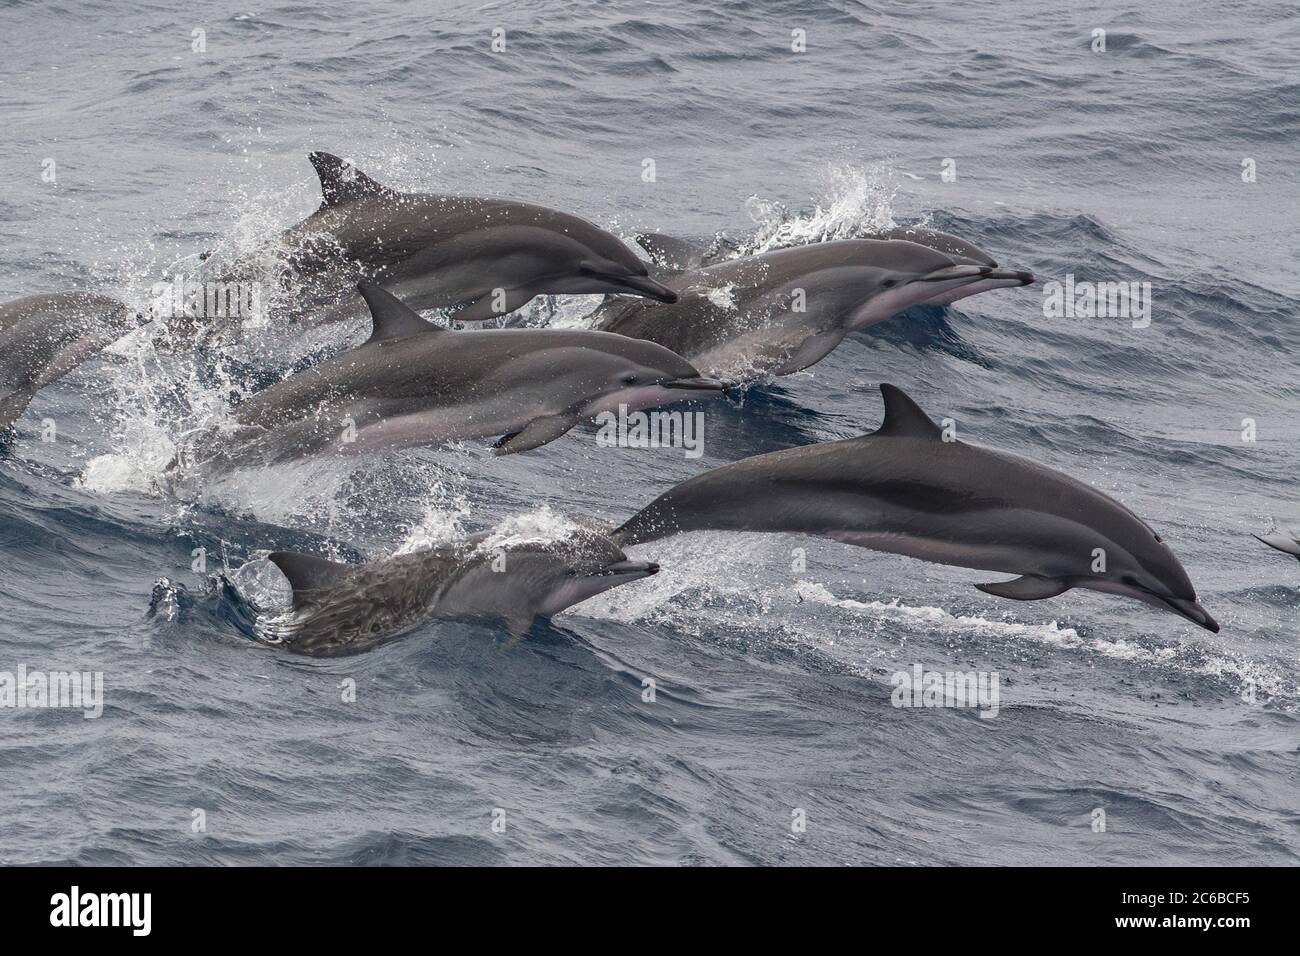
859, 204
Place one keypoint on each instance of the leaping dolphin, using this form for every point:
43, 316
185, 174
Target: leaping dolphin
1284, 540
343, 609
43, 337
481, 257
782, 311
905, 490
415, 383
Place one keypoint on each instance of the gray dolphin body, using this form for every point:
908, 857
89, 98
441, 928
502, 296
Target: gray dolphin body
415, 383
482, 257
43, 337
783, 311
904, 490
343, 609
1284, 540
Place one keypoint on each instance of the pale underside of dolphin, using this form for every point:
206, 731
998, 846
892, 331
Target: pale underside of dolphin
343, 609
780, 312
415, 383
478, 257
903, 489
43, 337
1282, 539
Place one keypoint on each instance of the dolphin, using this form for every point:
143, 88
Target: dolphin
481, 257
1283, 539
782, 311
904, 489
415, 383
43, 337
343, 609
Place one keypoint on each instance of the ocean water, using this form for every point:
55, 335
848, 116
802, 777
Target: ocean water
772, 686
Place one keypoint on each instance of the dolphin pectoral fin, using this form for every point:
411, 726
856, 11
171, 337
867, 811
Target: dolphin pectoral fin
1031, 587
811, 351
490, 306
536, 433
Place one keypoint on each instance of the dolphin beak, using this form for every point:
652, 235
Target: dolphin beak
644, 285
697, 384
632, 569
1193, 611
1024, 278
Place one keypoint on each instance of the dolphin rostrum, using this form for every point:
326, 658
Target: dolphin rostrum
43, 337
415, 383
482, 257
782, 311
346, 608
904, 489
1283, 539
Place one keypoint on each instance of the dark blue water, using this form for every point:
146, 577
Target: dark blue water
773, 685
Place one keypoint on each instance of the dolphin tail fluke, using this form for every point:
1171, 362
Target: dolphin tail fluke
1031, 587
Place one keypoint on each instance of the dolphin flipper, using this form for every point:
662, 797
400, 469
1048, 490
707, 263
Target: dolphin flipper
1031, 587
811, 351
536, 433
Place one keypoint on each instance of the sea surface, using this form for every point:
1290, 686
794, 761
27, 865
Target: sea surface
771, 738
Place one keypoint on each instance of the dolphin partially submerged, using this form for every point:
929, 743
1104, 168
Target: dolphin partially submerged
903, 489
481, 257
343, 609
43, 337
1282, 539
416, 383
783, 311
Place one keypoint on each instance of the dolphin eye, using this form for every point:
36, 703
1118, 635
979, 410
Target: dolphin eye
888, 283
630, 378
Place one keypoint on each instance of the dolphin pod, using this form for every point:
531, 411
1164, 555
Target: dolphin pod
716, 317
902, 489
782, 311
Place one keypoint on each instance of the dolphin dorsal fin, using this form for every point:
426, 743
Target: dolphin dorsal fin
307, 573
392, 317
904, 418
342, 182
